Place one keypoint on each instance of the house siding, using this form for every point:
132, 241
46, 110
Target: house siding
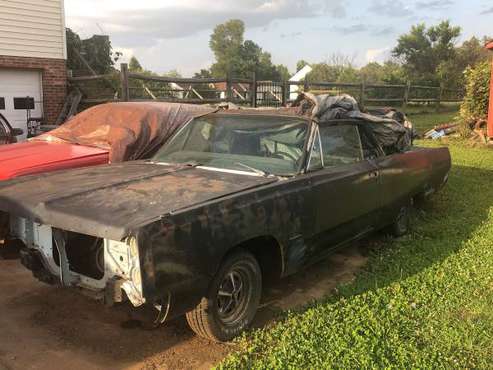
32, 28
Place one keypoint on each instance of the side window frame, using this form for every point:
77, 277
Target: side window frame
345, 123
315, 141
364, 131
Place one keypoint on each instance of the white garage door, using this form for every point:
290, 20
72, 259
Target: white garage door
20, 90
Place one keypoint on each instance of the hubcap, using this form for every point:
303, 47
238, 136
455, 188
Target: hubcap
233, 296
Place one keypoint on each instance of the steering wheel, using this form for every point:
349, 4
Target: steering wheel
280, 153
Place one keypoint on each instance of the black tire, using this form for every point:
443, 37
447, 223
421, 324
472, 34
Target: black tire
10, 250
419, 201
221, 317
402, 222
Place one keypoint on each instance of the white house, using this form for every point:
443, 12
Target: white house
33, 57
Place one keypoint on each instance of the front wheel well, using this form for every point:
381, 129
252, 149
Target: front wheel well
268, 253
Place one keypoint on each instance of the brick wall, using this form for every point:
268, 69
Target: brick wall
54, 73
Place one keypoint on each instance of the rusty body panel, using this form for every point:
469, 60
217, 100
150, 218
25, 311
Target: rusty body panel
186, 218
111, 201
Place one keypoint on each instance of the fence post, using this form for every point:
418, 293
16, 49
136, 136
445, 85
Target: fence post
253, 90
306, 85
407, 90
362, 94
125, 96
229, 86
440, 96
285, 93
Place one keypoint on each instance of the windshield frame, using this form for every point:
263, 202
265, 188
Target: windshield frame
252, 114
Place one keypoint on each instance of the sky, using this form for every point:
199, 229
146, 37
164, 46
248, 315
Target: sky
169, 35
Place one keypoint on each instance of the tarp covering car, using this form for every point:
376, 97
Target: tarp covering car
129, 131
392, 135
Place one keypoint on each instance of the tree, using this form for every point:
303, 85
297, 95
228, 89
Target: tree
301, 64
74, 45
134, 65
227, 39
283, 72
390, 72
239, 56
94, 54
422, 50
172, 73
469, 54
472, 52
226, 43
475, 104
204, 73
336, 68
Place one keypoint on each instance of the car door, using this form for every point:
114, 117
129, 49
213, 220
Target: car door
344, 186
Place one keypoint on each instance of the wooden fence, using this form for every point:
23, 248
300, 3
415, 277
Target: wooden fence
129, 86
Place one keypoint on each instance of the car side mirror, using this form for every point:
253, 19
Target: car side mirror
17, 131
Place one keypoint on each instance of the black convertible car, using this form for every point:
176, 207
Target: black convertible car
230, 199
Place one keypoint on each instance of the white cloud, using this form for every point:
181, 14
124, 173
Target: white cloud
434, 4
391, 8
132, 23
377, 55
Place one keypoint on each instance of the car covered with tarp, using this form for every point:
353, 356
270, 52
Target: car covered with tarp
391, 128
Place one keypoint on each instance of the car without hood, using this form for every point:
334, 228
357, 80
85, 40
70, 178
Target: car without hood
231, 199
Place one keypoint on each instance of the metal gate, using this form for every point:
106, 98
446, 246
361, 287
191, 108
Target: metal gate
269, 94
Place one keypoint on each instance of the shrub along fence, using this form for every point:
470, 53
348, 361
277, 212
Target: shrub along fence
129, 86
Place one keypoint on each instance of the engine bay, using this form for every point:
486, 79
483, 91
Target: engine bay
105, 269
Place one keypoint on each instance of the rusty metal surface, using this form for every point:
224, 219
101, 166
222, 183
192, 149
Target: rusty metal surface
308, 216
109, 201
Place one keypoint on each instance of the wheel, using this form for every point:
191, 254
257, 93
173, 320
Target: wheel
401, 224
232, 300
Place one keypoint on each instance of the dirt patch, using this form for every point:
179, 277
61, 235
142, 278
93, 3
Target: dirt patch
42, 325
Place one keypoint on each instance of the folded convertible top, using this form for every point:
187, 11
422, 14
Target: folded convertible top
387, 126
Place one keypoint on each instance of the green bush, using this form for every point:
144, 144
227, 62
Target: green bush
475, 105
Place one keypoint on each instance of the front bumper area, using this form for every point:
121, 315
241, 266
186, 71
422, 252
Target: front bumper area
46, 256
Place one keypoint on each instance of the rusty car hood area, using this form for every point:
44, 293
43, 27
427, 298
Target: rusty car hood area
110, 201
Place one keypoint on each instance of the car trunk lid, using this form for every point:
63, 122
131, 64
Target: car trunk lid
32, 157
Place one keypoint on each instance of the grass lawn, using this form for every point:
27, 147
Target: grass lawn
423, 301
425, 118
425, 122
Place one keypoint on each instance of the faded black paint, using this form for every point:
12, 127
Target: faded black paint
187, 219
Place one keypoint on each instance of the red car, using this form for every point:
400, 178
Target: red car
33, 157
